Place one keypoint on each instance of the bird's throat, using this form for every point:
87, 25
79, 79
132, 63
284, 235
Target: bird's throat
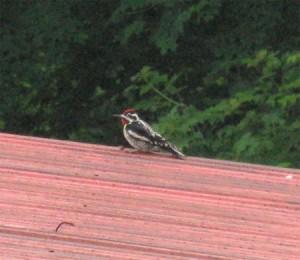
124, 121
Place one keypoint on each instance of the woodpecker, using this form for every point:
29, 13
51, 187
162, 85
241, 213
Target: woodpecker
142, 137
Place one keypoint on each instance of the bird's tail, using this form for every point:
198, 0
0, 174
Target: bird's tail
175, 151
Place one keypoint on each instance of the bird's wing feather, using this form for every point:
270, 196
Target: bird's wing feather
141, 130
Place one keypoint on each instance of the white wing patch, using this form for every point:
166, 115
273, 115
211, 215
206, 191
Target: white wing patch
138, 137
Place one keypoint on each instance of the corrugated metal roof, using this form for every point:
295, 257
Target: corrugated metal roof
112, 204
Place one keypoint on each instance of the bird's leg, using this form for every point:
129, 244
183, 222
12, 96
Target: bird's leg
135, 151
121, 147
128, 150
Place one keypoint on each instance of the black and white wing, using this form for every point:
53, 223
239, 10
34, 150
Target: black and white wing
141, 131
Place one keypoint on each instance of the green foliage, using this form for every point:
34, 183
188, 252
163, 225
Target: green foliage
169, 25
218, 78
262, 119
151, 83
33, 64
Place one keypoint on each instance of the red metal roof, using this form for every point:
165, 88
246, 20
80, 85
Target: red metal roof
119, 205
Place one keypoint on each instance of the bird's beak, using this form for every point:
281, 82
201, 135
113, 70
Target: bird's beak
122, 116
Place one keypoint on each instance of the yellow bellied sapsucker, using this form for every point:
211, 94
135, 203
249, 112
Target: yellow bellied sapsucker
142, 137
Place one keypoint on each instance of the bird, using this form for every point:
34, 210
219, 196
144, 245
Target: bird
142, 137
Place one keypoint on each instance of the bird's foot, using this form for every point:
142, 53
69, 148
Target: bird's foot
132, 151
135, 151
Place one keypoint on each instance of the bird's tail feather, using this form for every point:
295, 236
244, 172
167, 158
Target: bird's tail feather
175, 151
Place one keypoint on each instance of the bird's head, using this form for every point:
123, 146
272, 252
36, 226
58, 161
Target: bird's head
128, 116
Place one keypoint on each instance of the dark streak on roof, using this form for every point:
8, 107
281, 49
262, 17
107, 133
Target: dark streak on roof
118, 205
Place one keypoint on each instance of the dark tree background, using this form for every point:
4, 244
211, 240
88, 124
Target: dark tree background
220, 78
